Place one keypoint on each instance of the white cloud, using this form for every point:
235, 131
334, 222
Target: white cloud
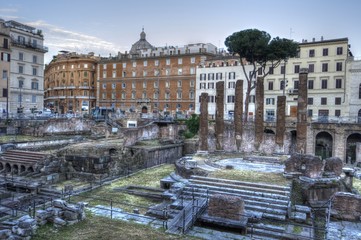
57, 39
8, 10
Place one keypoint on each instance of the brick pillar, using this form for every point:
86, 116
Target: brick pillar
281, 120
219, 115
203, 123
259, 119
238, 113
302, 112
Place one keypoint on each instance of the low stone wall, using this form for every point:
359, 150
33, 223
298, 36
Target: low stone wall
346, 206
226, 206
182, 170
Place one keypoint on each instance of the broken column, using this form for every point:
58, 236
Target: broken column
226, 206
238, 113
302, 112
219, 128
259, 119
281, 120
203, 123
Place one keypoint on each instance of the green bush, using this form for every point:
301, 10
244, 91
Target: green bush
188, 134
193, 124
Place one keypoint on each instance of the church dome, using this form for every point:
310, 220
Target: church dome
141, 44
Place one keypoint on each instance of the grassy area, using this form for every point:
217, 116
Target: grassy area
251, 176
96, 227
357, 184
103, 195
18, 138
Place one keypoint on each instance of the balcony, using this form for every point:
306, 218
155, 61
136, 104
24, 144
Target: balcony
24, 44
293, 91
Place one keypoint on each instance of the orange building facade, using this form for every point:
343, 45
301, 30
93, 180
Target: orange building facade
69, 83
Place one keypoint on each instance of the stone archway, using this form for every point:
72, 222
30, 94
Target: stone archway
31, 169
8, 168
22, 168
293, 143
16, 169
324, 143
144, 109
351, 147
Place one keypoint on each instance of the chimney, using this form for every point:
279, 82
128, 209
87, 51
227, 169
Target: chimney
313, 39
321, 38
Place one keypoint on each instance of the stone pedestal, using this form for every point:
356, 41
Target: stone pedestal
203, 123
238, 113
302, 111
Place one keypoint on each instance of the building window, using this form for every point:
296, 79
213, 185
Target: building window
231, 85
155, 95
123, 95
124, 74
325, 52
191, 83
339, 50
33, 98
339, 66
114, 74
144, 95
124, 65
338, 83
270, 70
337, 101
252, 98
180, 61
114, 65
324, 67
167, 84
144, 84
323, 101
230, 98
259, 71
85, 66
104, 95
210, 85
324, 84
145, 73
283, 68
167, 72
155, 85
133, 73
297, 68
145, 63
167, 95
167, 61
192, 70
218, 76
282, 84
310, 101
295, 84
35, 59
232, 75
5, 74
309, 112
202, 76
193, 60
311, 53
104, 86
310, 84
21, 69
337, 113
104, 74
114, 85
311, 68
156, 62
133, 95
179, 94
134, 64
359, 91
179, 83
113, 95
5, 92
202, 86
180, 71
270, 101
210, 76
270, 85
35, 71
104, 66
85, 73
34, 85
191, 95
21, 56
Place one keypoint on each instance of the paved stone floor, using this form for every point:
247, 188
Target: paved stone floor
240, 164
342, 230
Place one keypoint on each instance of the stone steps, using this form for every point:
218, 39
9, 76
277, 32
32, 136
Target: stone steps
241, 183
53, 193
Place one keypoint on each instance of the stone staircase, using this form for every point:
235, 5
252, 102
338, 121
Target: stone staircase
263, 200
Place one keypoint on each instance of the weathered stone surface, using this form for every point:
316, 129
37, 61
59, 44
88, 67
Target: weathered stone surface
59, 222
281, 120
308, 165
203, 123
302, 112
346, 206
5, 234
333, 167
226, 206
219, 115
259, 119
238, 113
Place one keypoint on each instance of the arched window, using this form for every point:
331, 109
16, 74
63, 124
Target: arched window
359, 91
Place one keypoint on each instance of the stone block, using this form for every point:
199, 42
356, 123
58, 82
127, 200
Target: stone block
333, 167
226, 206
5, 234
308, 165
59, 222
346, 206
70, 215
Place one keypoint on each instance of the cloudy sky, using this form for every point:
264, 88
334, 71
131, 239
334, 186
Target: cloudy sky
109, 26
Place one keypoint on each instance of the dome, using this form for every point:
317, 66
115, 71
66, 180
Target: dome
141, 44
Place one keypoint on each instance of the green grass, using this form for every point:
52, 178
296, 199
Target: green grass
102, 228
127, 202
18, 138
357, 184
251, 176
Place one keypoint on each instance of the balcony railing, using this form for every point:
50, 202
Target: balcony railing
29, 45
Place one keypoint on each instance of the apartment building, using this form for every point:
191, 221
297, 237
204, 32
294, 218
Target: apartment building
151, 79
229, 70
70, 82
5, 59
353, 90
26, 79
326, 62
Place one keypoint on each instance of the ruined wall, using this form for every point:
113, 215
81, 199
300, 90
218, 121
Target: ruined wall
68, 126
346, 206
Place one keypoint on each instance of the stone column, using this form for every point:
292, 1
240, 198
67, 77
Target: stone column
259, 119
219, 128
281, 120
203, 123
238, 113
302, 112
358, 152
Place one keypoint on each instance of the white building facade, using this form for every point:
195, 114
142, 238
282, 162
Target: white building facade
353, 90
229, 71
326, 62
26, 82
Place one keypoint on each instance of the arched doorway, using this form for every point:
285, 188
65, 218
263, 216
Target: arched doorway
351, 144
7, 168
15, 169
144, 109
22, 168
324, 143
